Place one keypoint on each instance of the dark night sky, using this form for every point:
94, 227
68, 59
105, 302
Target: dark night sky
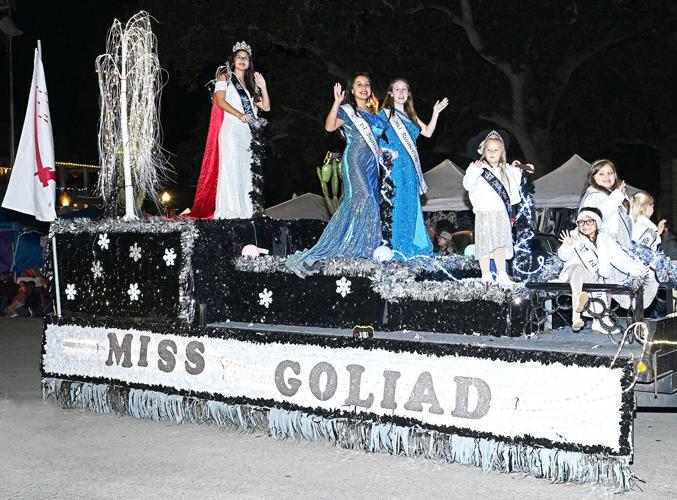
73, 34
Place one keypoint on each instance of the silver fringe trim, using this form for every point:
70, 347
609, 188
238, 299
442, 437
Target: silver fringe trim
397, 280
156, 225
556, 465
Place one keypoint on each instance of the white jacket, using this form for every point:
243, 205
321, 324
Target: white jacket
601, 259
615, 219
482, 195
645, 233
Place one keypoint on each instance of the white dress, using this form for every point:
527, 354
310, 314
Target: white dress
235, 178
493, 228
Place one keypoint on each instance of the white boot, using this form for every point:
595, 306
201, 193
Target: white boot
503, 279
487, 278
576, 322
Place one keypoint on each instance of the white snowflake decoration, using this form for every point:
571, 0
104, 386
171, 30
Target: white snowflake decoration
97, 269
170, 256
343, 286
71, 292
134, 292
103, 241
135, 252
266, 298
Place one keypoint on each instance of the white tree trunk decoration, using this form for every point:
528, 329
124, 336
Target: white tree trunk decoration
130, 135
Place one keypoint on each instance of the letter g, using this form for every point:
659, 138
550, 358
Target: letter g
291, 386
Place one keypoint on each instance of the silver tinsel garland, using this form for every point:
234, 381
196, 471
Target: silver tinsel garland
155, 225
665, 269
397, 279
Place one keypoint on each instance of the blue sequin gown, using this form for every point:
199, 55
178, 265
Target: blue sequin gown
355, 229
410, 237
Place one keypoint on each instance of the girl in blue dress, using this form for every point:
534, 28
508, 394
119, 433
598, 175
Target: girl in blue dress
410, 237
355, 229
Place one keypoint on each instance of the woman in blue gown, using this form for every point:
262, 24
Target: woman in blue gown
355, 229
409, 237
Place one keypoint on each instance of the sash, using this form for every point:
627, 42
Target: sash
364, 129
627, 221
648, 237
498, 186
409, 144
589, 261
247, 107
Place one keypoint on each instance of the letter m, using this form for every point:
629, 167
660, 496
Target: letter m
123, 351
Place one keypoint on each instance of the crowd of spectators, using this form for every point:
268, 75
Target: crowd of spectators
23, 299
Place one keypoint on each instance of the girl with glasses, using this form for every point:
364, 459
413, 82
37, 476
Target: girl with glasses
589, 255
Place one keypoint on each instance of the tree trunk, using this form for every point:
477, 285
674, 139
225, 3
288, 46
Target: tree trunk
534, 145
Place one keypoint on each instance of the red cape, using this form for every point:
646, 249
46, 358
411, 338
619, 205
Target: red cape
205, 196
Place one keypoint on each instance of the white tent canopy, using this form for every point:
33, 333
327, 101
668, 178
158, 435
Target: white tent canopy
562, 187
306, 206
445, 189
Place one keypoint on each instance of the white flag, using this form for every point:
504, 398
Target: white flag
32, 186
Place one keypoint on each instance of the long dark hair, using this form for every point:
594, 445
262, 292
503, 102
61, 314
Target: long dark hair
590, 179
350, 98
594, 169
389, 101
249, 81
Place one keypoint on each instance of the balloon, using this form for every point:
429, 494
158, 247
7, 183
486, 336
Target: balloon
383, 254
250, 251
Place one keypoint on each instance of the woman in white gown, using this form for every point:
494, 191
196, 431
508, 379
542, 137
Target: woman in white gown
230, 185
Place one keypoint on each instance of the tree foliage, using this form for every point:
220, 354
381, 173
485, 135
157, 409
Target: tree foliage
562, 76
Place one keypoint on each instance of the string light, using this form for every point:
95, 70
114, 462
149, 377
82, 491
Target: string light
523, 260
6, 169
131, 53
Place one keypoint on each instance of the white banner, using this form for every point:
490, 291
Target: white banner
569, 405
364, 129
32, 185
410, 145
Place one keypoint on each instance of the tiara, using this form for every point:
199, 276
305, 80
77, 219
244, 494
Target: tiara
242, 46
493, 135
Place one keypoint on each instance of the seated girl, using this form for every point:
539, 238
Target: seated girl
589, 255
644, 231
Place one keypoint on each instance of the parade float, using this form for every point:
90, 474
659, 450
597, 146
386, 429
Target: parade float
186, 321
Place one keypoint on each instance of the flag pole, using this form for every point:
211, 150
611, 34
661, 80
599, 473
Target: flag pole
12, 140
57, 292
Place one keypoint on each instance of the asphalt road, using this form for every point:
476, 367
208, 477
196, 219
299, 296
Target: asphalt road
48, 452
